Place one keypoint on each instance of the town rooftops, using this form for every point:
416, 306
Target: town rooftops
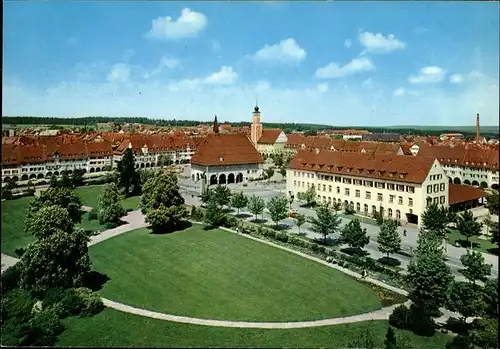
226, 149
460, 193
269, 135
377, 166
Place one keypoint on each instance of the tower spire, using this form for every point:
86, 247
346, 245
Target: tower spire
216, 125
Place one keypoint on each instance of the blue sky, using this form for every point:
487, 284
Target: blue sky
338, 63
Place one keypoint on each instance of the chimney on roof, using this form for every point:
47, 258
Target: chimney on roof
216, 125
477, 129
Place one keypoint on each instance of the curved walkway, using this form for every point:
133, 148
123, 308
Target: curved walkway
381, 314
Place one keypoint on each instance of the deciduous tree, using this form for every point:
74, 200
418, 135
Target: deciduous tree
309, 196
388, 239
278, 208
239, 201
110, 207
77, 177
354, 236
65, 181
490, 291
222, 195
207, 195
214, 214
468, 226
300, 219
464, 299
326, 222
62, 197
162, 203
475, 267
49, 220
256, 205
269, 172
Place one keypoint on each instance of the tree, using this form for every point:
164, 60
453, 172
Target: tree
110, 208
278, 208
214, 214
490, 297
468, 226
239, 201
65, 181
128, 178
475, 267
283, 171
164, 160
77, 177
49, 220
162, 203
388, 239
327, 222
493, 229
436, 218
10, 184
464, 299
428, 274
300, 219
484, 332
256, 205
354, 236
269, 172
62, 197
54, 182
492, 203
222, 194
309, 196
390, 339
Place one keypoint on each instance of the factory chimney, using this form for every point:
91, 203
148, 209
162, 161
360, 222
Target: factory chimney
477, 129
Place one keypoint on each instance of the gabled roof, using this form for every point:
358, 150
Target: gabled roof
226, 149
460, 193
269, 136
377, 166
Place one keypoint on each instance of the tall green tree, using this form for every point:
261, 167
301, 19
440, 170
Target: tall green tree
128, 178
475, 267
390, 339
326, 222
162, 203
256, 205
309, 196
110, 207
468, 226
464, 299
388, 239
222, 195
492, 203
300, 219
269, 172
77, 177
354, 236
282, 172
47, 221
239, 201
435, 219
62, 197
53, 182
490, 297
278, 208
206, 195
65, 181
428, 274
214, 214
165, 160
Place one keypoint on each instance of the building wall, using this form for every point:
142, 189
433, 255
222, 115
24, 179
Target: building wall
249, 171
393, 196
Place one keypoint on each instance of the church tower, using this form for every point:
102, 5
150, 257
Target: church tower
216, 126
256, 128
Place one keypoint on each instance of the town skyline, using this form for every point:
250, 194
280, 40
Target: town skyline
387, 64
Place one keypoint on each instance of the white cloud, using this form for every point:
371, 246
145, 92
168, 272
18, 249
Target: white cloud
367, 83
334, 70
322, 88
428, 75
286, 51
347, 43
165, 62
119, 73
188, 25
456, 78
399, 91
225, 76
378, 43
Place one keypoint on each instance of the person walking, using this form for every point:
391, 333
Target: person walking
404, 233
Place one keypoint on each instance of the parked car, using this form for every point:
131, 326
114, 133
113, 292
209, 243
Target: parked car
293, 213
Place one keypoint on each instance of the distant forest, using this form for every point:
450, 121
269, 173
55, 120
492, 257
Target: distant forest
489, 132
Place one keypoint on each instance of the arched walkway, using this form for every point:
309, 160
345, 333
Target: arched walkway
142, 165
6, 179
467, 182
92, 170
484, 185
48, 175
15, 178
213, 179
493, 186
475, 183
32, 176
230, 178
24, 177
40, 176
98, 169
239, 178
56, 173
222, 179
147, 164
457, 181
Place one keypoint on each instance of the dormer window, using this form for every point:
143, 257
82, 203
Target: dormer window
221, 158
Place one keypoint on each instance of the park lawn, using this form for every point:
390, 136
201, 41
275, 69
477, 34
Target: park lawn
131, 203
216, 274
478, 244
13, 216
90, 197
112, 328
92, 225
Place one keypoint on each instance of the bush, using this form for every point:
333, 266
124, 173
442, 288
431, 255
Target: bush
321, 249
53, 296
92, 216
13, 332
44, 328
129, 209
399, 317
421, 322
92, 303
230, 222
19, 251
71, 303
30, 192
314, 247
109, 225
7, 194
283, 237
10, 279
484, 332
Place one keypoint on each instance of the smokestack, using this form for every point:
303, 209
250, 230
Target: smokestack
477, 129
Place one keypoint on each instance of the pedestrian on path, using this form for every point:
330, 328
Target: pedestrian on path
404, 233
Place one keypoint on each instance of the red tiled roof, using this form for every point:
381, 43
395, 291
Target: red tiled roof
459, 193
468, 156
269, 136
377, 166
226, 149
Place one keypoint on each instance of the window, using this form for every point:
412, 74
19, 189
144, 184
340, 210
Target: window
398, 214
324, 187
380, 185
436, 188
337, 179
410, 189
294, 183
366, 208
390, 186
308, 175
368, 183
330, 188
436, 200
410, 202
441, 187
308, 184
347, 191
368, 195
429, 189
358, 193
374, 209
400, 188
441, 199
429, 201
389, 212
302, 184
391, 199
400, 200
338, 190
358, 206
380, 197
347, 180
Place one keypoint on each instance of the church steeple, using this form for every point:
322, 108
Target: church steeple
216, 125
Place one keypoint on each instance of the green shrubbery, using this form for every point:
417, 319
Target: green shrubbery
92, 216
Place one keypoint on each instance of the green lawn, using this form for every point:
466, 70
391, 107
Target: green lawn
90, 225
90, 197
13, 215
112, 328
219, 275
478, 244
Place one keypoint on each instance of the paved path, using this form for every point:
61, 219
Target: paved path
134, 219
8, 261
